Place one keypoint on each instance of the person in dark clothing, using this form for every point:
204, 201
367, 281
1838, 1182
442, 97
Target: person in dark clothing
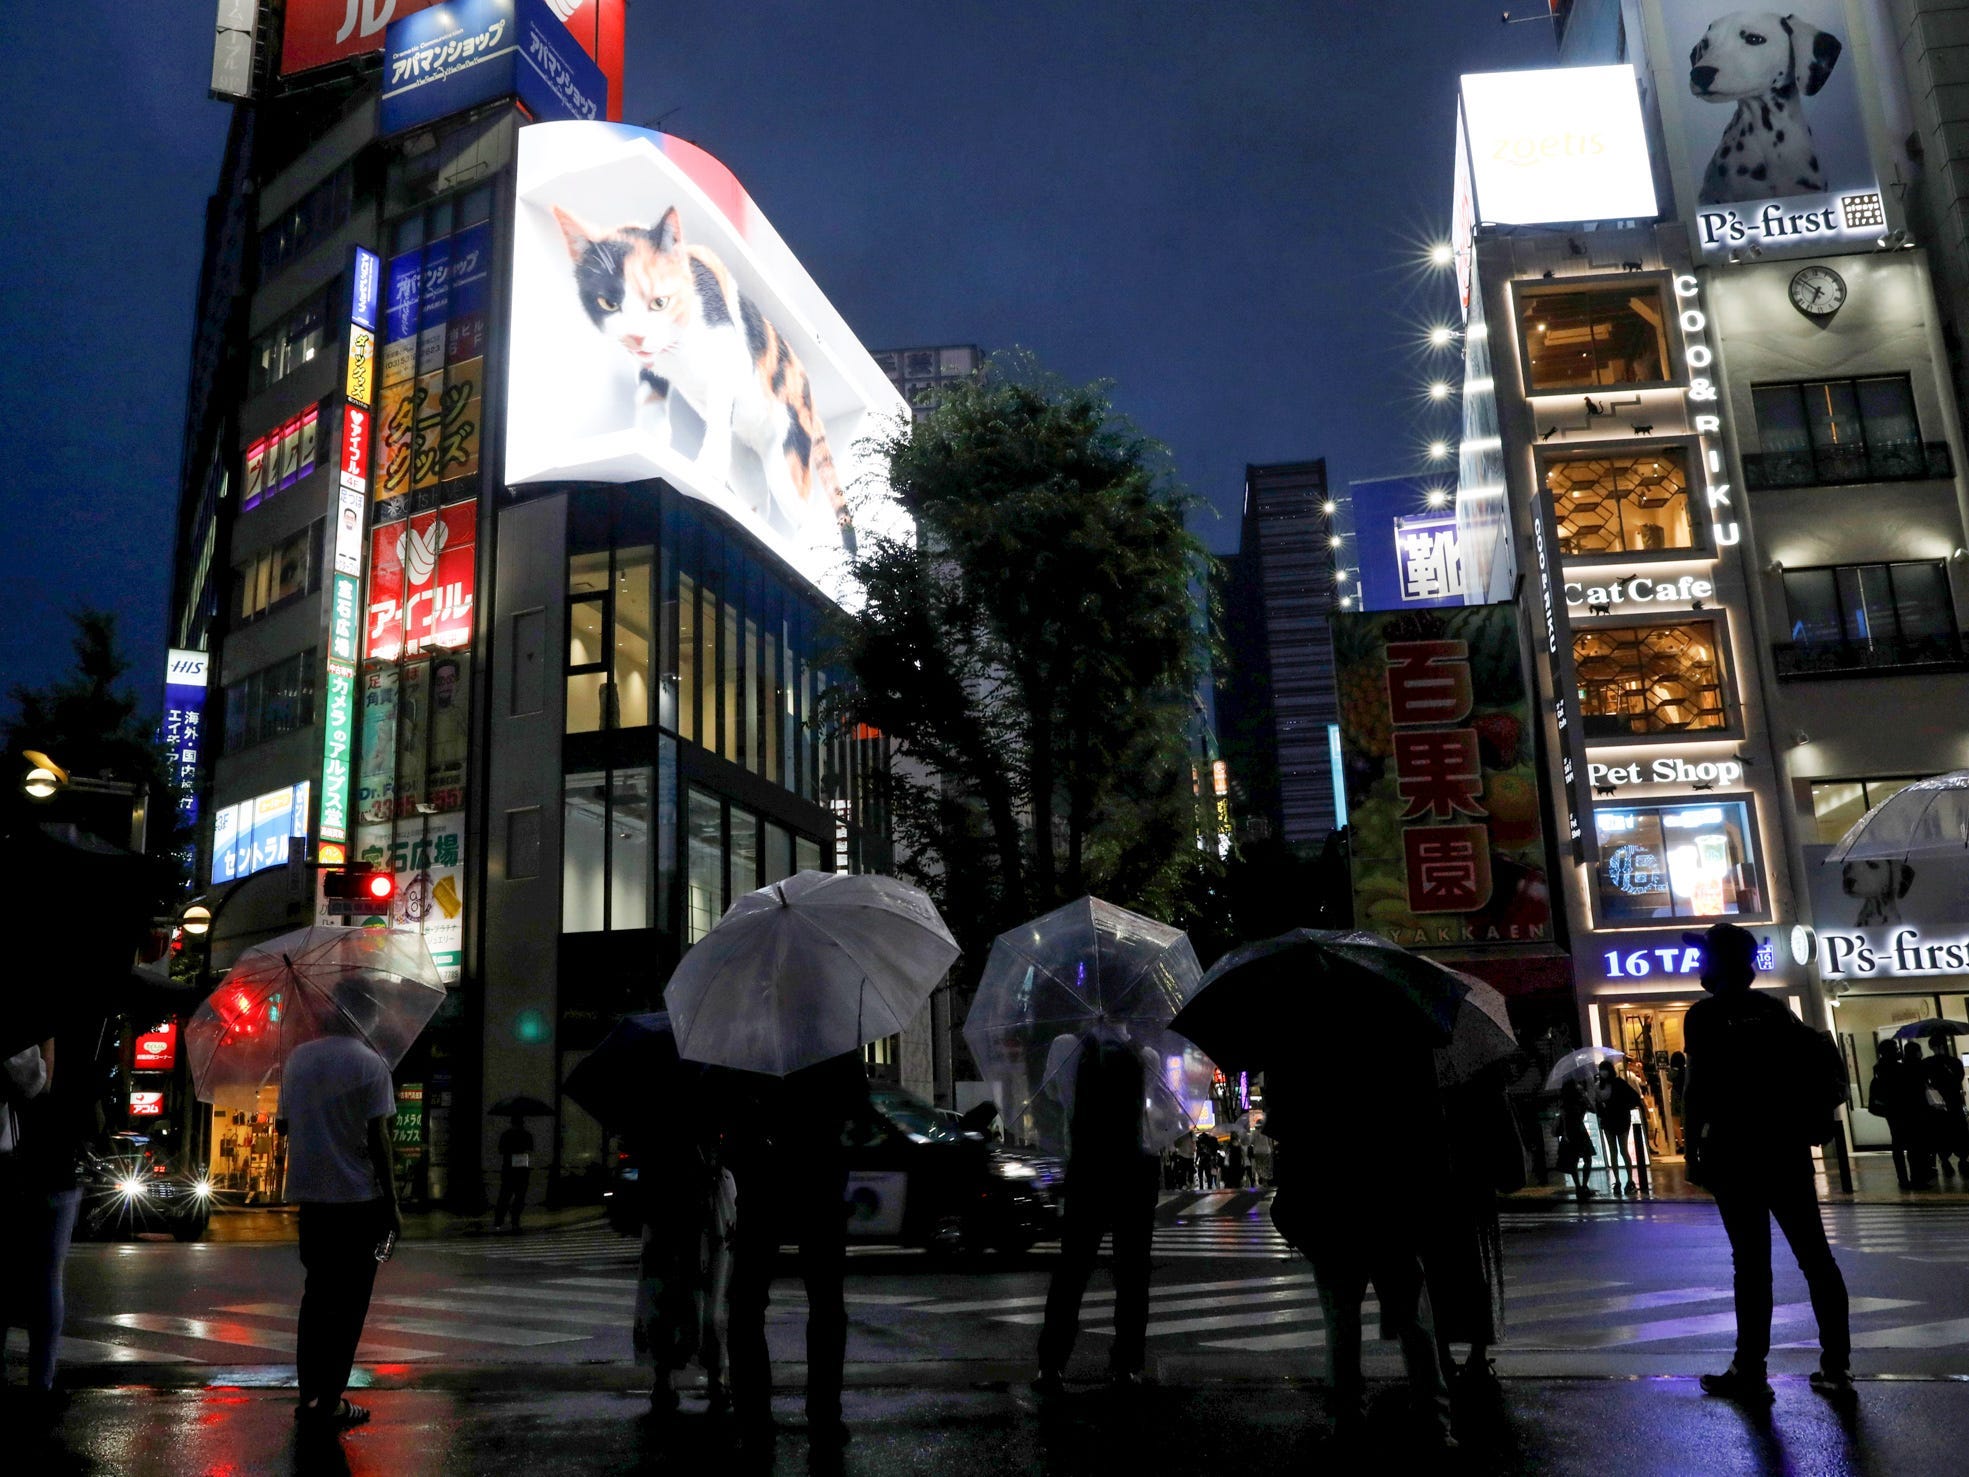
515, 1169
1465, 1259
1375, 1229
786, 1147
1942, 1070
1615, 1102
1735, 1046
1234, 1164
1110, 1190
1888, 1097
1575, 1143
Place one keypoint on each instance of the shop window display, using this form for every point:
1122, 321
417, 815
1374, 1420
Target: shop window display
1605, 504
1682, 861
1649, 679
1595, 337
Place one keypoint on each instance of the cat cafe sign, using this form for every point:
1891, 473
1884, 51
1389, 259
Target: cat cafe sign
663, 331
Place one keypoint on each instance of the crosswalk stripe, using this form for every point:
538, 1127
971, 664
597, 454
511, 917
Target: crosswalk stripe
1677, 1328
587, 1317
1035, 1300
1937, 1335
1209, 1204
96, 1351
541, 1294
627, 1284
1269, 1343
477, 1333
1161, 1327
242, 1335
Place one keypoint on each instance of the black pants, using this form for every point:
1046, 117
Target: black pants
512, 1195
807, 1205
1780, 1188
1117, 1201
338, 1249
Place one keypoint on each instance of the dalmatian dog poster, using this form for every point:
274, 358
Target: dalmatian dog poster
1769, 102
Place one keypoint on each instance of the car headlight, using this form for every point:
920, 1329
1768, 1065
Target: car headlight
134, 1188
1012, 1169
202, 1189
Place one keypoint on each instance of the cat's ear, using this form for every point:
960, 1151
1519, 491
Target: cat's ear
669, 231
578, 234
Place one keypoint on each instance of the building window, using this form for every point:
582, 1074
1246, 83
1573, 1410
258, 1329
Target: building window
1865, 617
309, 330
608, 854
273, 577
705, 875
1836, 804
1631, 503
276, 700
1649, 679
1840, 431
1585, 338
1688, 860
609, 639
308, 222
734, 851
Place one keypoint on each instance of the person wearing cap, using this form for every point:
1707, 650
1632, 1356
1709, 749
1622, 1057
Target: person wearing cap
1735, 1042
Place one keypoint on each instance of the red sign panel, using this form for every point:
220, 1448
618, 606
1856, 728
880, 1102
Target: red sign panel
322, 31
146, 1105
421, 574
157, 1051
355, 444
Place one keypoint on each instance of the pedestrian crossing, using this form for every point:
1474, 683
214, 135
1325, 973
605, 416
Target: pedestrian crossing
589, 1243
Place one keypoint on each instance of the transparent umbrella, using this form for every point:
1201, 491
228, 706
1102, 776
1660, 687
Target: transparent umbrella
1088, 971
808, 969
375, 983
1923, 818
1580, 1065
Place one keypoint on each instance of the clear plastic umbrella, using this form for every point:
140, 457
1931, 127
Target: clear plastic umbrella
1928, 816
807, 969
1088, 971
1580, 1065
375, 983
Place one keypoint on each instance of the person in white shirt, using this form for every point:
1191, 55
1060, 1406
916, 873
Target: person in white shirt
337, 1104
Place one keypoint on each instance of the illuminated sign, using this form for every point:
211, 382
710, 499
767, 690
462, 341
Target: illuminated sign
1666, 956
462, 53
1767, 116
360, 384
1562, 144
342, 619
156, 1050
146, 1105
1669, 771
1706, 423
365, 283
421, 577
1903, 951
338, 734
1405, 537
1640, 588
259, 833
184, 726
618, 393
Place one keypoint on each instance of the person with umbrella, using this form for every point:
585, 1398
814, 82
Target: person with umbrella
1942, 1075
515, 1157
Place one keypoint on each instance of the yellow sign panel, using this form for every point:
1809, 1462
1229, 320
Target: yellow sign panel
362, 365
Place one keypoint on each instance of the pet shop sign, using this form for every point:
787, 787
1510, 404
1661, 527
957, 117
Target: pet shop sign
462, 53
1822, 224
1901, 952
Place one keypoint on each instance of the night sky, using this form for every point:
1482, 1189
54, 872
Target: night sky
1220, 206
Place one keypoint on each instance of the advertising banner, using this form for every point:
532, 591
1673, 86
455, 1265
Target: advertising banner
421, 577
1561, 144
184, 726
413, 732
402, 298
1879, 921
1407, 543
450, 705
462, 53
430, 884
407, 1129
376, 773
338, 738
146, 1105
259, 833
1769, 126
256, 473
1441, 777
318, 32
233, 49
156, 1050
608, 385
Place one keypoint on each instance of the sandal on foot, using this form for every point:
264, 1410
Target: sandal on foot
346, 1413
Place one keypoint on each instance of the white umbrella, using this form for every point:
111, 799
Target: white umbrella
1926, 817
807, 969
1580, 1065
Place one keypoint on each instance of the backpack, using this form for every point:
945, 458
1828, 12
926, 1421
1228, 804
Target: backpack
1815, 1083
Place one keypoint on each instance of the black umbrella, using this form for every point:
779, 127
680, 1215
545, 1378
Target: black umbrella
521, 1107
1277, 993
634, 1075
1934, 1026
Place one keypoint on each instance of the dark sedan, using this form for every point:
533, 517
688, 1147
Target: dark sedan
127, 1189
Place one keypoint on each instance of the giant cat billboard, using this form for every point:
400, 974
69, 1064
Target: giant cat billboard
662, 329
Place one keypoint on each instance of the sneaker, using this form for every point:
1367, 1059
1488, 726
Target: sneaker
1834, 1384
1736, 1384
1048, 1382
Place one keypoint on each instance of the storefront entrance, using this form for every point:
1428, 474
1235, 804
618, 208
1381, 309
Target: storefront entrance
1651, 1035
1863, 1020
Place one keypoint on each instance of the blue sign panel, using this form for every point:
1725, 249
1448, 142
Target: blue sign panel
184, 720
364, 288
462, 53
1407, 543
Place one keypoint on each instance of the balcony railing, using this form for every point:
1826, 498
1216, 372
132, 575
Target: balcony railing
1832, 466
1860, 658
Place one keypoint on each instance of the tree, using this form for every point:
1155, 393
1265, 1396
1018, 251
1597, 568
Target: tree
1032, 655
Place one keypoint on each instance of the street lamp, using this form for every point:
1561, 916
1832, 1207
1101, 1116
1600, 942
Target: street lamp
196, 920
47, 778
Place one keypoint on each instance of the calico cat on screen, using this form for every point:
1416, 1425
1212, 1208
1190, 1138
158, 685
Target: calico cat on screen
677, 311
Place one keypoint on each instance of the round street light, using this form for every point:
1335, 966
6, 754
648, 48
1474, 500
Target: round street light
196, 919
1440, 336
40, 783
1441, 254
1438, 450
1439, 390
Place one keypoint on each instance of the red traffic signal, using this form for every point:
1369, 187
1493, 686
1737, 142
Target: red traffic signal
360, 889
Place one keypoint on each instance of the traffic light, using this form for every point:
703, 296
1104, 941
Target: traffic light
359, 890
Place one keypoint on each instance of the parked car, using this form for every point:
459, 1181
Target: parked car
127, 1188
917, 1179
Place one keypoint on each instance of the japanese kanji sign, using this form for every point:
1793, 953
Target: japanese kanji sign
1448, 845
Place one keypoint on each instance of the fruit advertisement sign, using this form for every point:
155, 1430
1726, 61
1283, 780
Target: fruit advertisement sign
1448, 848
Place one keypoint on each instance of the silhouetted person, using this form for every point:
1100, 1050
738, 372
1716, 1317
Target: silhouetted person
1234, 1164
1575, 1142
687, 1205
1892, 1094
1737, 1054
48, 1119
1359, 1209
1110, 1190
337, 1107
1615, 1102
787, 1150
1942, 1070
1465, 1261
515, 1169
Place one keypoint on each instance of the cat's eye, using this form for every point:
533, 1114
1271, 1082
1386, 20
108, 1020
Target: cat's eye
658, 304
607, 304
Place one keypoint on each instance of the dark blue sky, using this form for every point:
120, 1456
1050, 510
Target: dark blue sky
1218, 206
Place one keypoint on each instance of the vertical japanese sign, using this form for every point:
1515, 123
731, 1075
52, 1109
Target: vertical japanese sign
1442, 784
184, 723
345, 596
